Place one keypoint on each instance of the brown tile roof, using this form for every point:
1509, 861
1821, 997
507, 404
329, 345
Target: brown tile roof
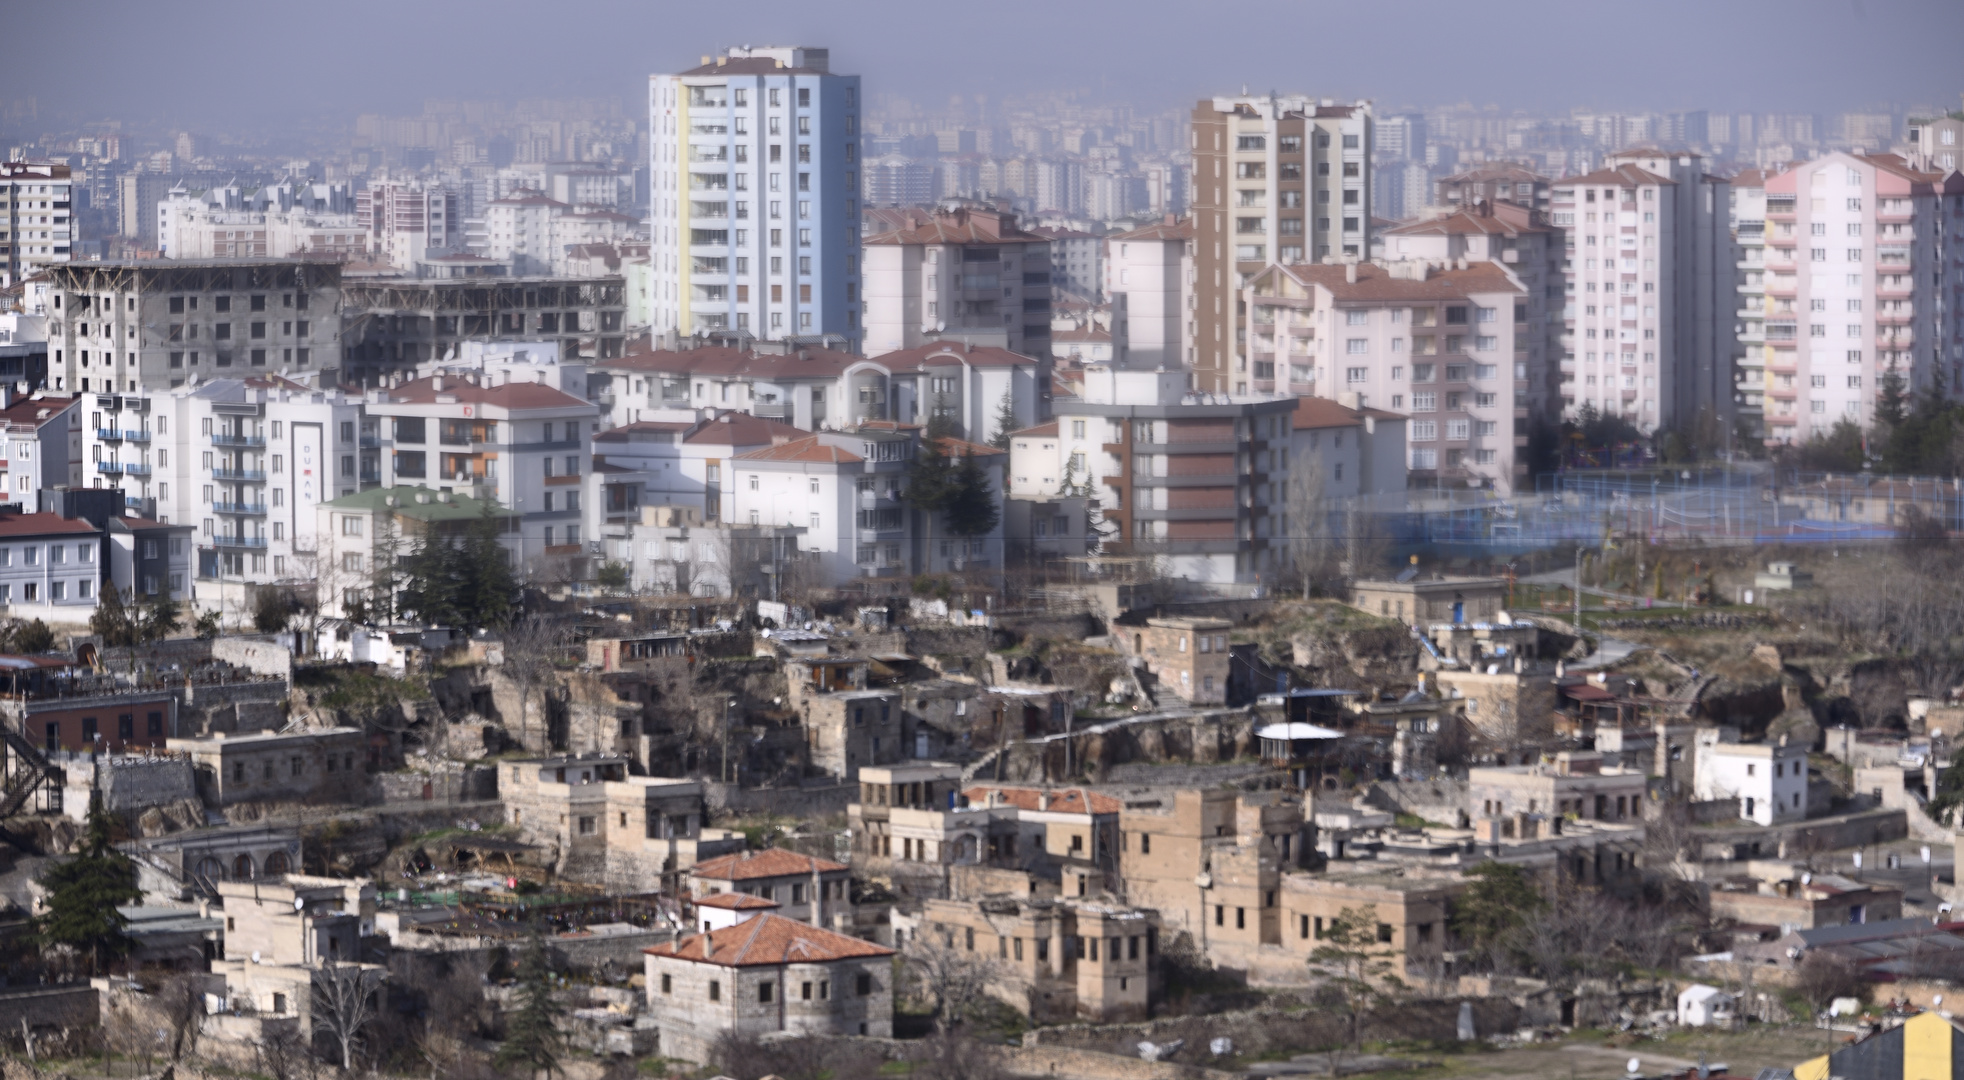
1652, 151
1049, 232
1749, 178
625, 432
1089, 333
736, 901
807, 450
1038, 431
1465, 222
768, 863
1621, 176
1496, 170
768, 939
515, 395
33, 412
1316, 412
963, 226
42, 525
1170, 228
1062, 800
750, 65
1375, 283
962, 448
922, 356
743, 429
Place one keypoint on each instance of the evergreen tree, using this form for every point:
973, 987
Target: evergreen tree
84, 892
531, 1039
971, 504
941, 421
491, 582
1005, 420
431, 591
1891, 398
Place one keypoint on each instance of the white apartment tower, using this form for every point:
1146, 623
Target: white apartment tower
754, 207
1749, 356
407, 220
1650, 289
37, 222
1149, 278
1858, 284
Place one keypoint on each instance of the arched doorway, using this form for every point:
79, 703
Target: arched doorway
242, 868
211, 869
277, 864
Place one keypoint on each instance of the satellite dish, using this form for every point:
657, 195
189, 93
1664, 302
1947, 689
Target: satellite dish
299, 904
1806, 879
1634, 1066
255, 956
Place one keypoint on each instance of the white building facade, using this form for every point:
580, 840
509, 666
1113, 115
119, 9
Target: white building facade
754, 208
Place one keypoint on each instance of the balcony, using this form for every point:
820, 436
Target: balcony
239, 541
109, 435
368, 440
239, 509
238, 440
250, 476
136, 468
136, 436
112, 468
776, 410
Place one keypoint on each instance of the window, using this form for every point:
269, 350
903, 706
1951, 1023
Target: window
350, 526
1356, 375
1355, 346
715, 990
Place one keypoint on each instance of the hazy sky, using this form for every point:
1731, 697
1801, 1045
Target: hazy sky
219, 63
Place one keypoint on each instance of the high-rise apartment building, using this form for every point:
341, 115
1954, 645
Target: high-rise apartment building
1276, 180
967, 273
408, 220
37, 219
1748, 199
1650, 289
1936, 143
1149, 277
1859, 285
754, 212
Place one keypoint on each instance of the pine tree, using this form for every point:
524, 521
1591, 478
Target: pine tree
488, 601
531, 1039
1005, 420
971, 503
941, 422
1891, 398
84, 893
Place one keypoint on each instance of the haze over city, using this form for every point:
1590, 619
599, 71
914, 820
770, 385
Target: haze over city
1114, 541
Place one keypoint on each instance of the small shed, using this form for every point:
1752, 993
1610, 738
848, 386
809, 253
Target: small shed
1705, 1006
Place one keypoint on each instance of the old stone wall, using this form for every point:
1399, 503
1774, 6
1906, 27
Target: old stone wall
1263, 1031
829, 799
75, 1005
1094, 1065
259, 655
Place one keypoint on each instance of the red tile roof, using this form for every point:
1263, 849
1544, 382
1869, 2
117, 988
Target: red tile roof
625, 432
513, 395
750, 65
768, 863
736, 901
1062, 800
1039, 431
1466, 222
42, 525
1621, 176
1089, 333
961, 448
807, 450
768, 939
1316, 412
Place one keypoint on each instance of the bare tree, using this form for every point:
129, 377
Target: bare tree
533, 646
283, 1054
180, 1000
1313, 550
950, 981
1822, 977
344, 1004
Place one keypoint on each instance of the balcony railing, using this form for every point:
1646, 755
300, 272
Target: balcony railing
252, 509
136, 468
256, 476
111, 467
238, 440
109, 434
136, 436
239, 541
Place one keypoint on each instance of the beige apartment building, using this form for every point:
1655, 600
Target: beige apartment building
323, 766
1211, 863
1437, 599
1276, 181
1856, 286
1651, 294
1575, 785
602, 826
804, 887
1189, 656
1446, 345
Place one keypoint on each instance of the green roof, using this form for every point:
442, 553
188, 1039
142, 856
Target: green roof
420, 503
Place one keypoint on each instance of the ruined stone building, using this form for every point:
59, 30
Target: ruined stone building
1060, 961
1211, 863
319, 766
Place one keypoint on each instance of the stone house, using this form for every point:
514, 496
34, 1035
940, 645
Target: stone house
805, 887
1778, 895
1438, 599
321, 766
277, 934
1505, 707
764, 975
1408, 915
1189, 656
1576, 784
1211, 863
930, 786
846, 730
633, 834
1060, 961
560, 803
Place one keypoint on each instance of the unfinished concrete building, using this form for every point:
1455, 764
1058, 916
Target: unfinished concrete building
391, 325
323, 766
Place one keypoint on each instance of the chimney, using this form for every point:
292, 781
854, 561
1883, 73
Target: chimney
1043, 799
818, 898
437, 384
1350, 273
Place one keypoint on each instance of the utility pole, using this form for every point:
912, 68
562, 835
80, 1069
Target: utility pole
1578, 587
